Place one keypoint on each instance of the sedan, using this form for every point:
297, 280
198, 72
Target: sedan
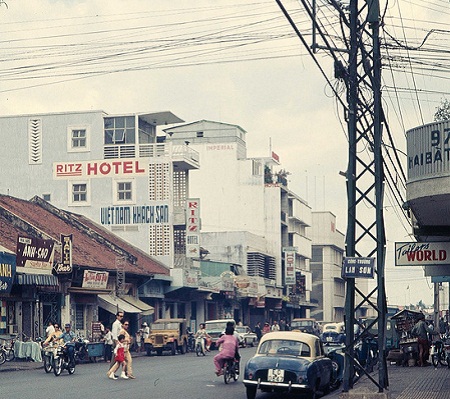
246, 336
289, 361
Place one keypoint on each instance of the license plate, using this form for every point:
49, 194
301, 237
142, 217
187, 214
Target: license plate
329, 339
275, 375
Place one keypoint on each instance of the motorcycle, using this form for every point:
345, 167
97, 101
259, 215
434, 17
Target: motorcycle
81, 350
200, 343
191, 342
61, 361
48, 353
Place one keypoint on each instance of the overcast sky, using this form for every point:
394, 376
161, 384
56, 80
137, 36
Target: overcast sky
237, 62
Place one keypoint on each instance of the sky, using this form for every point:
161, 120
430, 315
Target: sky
231, 61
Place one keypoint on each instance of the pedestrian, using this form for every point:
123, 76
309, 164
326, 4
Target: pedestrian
109, 343
282, 325
138, 343
119, 359
442, 327
50, 329
258, 330
145, 334
275, 326
266, 328
421, 330
115, 329
128, 342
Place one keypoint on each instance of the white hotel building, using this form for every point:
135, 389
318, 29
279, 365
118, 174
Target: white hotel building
248, 216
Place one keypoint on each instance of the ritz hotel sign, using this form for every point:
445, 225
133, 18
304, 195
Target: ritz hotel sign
102, 168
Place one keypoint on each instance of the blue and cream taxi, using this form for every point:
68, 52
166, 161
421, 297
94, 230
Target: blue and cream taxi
291, 362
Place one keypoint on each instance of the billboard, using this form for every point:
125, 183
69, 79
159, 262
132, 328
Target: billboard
422, 253
33, 249
7, 272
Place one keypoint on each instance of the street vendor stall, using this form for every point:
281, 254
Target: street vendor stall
409, 347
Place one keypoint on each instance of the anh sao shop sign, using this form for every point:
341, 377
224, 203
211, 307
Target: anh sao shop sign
422, 253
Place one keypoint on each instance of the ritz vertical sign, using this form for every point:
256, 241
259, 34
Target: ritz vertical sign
193, 228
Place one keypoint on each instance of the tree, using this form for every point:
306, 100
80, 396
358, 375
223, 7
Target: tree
443, 111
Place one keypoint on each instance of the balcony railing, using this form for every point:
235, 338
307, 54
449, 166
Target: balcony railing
176, 152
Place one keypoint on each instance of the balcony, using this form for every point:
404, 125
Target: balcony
182, 156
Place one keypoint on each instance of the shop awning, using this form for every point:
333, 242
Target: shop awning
36, 279
146, 309
113, 304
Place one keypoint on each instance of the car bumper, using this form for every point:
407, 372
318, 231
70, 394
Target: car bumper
276, 385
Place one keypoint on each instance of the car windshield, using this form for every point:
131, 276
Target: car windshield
303, 323
215, 326
284, 347
241, 330
164, 326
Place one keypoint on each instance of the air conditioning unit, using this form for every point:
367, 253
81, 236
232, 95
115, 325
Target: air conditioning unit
13, 329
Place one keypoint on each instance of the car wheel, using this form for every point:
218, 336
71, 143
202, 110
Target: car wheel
251, 392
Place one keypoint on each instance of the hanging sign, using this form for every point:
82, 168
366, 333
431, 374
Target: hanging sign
358, 267
7, 272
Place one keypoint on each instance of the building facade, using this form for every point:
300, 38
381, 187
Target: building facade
250, 218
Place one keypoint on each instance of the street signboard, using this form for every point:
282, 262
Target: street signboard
358, 267
422, 253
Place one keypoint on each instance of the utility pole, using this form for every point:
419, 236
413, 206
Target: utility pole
364, 176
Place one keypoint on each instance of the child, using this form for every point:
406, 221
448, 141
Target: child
119, 358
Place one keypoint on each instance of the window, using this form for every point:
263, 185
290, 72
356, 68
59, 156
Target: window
199, 134
46, 197
78, 193
120, 130
78, 138
124, 191
79, 317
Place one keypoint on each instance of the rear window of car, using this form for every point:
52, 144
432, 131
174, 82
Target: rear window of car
284, 347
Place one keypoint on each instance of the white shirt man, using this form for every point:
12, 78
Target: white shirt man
116, 326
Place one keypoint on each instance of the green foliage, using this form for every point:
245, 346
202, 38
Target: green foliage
443, 111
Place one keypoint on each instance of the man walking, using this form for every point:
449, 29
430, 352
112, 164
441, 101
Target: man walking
115, 329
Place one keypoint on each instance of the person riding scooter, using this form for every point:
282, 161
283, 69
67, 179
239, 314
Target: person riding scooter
204, 336
68, 338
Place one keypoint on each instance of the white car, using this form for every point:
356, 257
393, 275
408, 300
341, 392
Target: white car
246, 336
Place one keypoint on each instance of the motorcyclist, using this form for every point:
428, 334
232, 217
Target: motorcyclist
68, 338
230, 349
205, 337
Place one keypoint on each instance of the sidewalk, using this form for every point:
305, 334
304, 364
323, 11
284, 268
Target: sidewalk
404, 383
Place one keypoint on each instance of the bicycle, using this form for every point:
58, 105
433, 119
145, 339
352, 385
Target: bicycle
230, 370
9, 349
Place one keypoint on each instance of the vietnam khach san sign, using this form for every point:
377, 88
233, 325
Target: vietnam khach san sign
358, 267
422, 253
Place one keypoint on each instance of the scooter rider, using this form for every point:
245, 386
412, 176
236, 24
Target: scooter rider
201, 333
68, 338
